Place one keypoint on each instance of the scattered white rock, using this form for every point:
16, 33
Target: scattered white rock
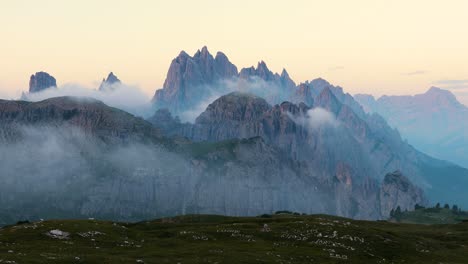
58, 234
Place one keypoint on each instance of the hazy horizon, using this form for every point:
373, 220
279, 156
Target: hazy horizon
377, 47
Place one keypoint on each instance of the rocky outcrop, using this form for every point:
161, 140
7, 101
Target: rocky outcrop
397, 190
41, 81
109, 82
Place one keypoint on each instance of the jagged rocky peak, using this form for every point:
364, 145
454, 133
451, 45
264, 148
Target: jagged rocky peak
303, 93
442, 97
266, 74
109, 81
235, 106
41, 81
397, 190
307, 92
189, 79
201, 68
319, 83
367, 102
224, 66
328, 101
263, 72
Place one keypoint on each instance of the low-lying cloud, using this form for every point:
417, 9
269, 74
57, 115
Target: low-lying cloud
57, 172
7, 95
316, 118
127, 98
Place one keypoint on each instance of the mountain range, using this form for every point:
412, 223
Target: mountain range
434, 122
360, 135
257, 143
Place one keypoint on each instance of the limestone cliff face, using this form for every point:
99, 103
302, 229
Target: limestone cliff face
41, 81
397, 190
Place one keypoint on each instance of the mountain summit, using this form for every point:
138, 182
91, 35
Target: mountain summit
109, 82
188, 78
41, 81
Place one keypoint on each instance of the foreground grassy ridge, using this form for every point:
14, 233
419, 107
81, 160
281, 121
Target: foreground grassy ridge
217, 239
432, 216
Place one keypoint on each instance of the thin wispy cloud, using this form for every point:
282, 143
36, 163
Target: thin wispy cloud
336, 68
453, 84
420, 72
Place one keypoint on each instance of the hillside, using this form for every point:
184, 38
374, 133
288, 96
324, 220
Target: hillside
281, 238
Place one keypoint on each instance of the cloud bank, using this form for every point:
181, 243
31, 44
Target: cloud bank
127, 98
63, 172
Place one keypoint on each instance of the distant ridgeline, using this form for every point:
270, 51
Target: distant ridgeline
430, 215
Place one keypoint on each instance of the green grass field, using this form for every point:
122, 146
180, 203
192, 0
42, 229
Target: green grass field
217, 239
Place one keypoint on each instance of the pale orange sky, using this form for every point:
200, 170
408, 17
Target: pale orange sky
365, 46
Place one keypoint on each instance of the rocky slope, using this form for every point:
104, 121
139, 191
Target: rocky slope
41, 81
434, 122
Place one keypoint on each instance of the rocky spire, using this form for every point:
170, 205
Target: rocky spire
41, 81
190, 78
107, 83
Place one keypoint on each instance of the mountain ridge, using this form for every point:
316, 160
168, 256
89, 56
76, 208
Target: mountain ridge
433, 121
